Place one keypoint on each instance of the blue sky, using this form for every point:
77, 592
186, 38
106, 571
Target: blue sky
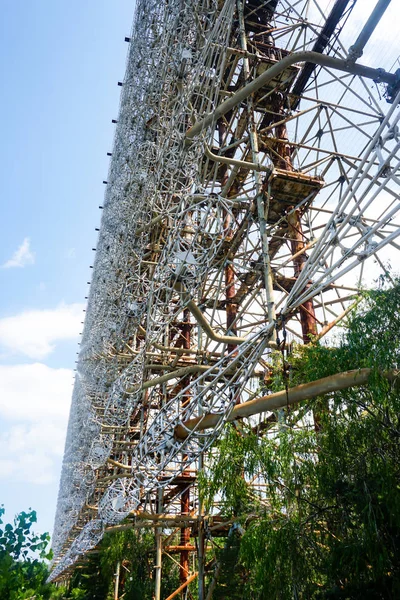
60, 63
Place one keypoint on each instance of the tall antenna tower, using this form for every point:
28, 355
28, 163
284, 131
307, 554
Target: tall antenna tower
253, 179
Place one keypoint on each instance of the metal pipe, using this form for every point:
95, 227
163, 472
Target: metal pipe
170, 349
356, 50
235, 162
180, 373
182, 587
160, 517
304, 56
173, 375
158, 562
307, 313
116, 583
204, 324
186, 331
332, 324
200, 554
282, 399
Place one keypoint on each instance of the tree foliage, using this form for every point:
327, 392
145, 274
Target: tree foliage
328, 524
134, 552
23, 572
325, 524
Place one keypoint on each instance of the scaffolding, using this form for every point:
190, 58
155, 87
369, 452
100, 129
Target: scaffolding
254, 174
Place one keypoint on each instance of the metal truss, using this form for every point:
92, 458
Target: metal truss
254, 176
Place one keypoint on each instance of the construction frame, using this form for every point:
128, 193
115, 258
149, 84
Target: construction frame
254, 174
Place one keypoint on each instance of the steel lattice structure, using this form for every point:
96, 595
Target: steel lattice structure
254, 174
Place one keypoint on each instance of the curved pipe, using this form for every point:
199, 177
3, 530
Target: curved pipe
202, 321
211, 333
304, 56
233, 161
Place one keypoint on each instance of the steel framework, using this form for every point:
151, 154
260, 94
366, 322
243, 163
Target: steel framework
254, 174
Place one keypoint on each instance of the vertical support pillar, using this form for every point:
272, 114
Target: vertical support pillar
230, 291
185, 538
201, 576
307, 312
201, 545
116, 584
158, 565
295, 231
185, 497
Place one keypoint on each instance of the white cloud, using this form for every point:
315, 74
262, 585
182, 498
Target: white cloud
35, 393
34, 402
35, 398
22, 257
34, 332
31, 454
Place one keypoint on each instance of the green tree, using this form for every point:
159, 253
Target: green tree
23, 572
133, 552
327, 524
